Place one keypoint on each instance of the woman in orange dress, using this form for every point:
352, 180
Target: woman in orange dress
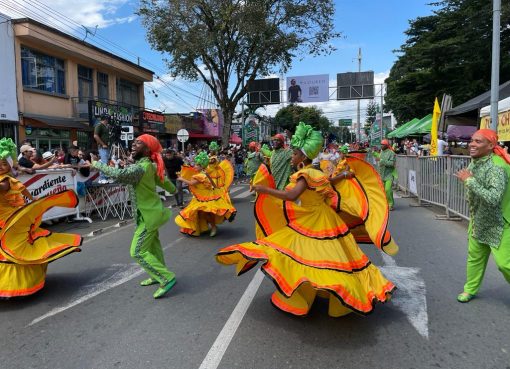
305, 247
26, 249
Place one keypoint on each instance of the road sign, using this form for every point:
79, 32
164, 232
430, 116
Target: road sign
182, 135
345, 122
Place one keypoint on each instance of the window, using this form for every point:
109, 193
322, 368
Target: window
42, 72
102, 86
85, 89
84, 140
127, 92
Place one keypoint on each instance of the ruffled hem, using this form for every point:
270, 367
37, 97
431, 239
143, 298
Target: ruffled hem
350, 289
21, 280
23, 242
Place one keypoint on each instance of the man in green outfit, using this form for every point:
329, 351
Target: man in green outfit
488, 193
387, 161
281, 168
143, 176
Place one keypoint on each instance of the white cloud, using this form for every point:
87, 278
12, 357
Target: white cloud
68, 15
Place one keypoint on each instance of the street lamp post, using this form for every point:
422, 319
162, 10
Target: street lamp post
496, 15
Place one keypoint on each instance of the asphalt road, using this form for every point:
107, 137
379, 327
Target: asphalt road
93, 313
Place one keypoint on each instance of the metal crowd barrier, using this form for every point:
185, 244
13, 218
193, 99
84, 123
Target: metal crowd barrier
432, 181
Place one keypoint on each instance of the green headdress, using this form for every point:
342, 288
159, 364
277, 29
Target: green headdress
213, 146
202, 159
8, 150
344, 149
266, 151
309, 141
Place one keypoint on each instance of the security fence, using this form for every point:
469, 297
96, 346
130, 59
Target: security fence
432, 181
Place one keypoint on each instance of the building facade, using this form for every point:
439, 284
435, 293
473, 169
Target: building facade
63, 85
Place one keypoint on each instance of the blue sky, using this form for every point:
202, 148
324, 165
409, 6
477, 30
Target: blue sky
375, 26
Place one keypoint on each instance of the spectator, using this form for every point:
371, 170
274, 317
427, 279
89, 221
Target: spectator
26, 159
239, 160
441, 146
102, 135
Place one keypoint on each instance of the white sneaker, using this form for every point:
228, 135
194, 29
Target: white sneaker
102, 181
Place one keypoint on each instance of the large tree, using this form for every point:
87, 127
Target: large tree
447, 52
289, 117
226, 42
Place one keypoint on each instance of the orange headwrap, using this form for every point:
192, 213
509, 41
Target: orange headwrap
155, 148
385, 142
253, 144
492, 136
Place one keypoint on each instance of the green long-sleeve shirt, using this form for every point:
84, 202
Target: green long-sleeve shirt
485, 193
281, 168
142, 179
387, 160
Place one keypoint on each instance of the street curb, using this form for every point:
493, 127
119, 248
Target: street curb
99, 231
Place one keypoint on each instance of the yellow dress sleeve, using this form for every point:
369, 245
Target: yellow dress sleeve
14, 196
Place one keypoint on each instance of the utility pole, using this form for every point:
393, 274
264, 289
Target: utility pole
496, 15
359, 101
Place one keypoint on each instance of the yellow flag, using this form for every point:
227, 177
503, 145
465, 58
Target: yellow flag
433, 132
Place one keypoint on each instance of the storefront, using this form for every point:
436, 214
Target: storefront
49, 133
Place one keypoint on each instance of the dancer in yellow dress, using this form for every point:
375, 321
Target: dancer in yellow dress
26, 249
220, 172
208, 207
308, 249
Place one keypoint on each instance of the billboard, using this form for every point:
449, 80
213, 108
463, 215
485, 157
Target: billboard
308, 89
264, 91
8, 98
355, 85
213, 121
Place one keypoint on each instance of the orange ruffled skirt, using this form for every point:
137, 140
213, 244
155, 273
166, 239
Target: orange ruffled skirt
26, 249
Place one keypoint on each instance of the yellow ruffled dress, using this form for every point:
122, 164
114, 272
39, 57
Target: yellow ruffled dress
222, 174
26, 249
306, 249
206, 199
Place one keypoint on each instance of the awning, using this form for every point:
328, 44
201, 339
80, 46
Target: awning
56, 122
395, 133
424, 125
235, 139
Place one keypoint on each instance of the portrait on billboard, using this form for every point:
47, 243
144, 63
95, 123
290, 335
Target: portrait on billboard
306, 89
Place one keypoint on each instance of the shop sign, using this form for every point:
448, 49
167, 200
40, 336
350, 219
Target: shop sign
28, 130
120, 114
503, 125
151, 121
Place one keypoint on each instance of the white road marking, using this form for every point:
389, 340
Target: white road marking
215, 354
243, 195
101, 284
235, 189
411, 295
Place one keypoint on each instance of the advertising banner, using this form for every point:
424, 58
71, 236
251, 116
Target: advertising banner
8, 99
213, 121
308, 89
151, 121
119, 114
503, 125
47, 182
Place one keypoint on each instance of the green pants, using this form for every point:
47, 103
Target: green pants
389, 191
478, 256
146, 250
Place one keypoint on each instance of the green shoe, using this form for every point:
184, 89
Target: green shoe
161, 291
148, 282
465, 297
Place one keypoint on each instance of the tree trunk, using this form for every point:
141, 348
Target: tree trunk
227, 119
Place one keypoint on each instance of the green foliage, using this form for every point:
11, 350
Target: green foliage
290, 116
224, 42
447, 52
